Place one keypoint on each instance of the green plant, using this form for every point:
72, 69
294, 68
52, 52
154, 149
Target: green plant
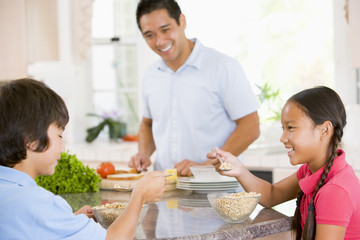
117, 129
70, 176
270, 99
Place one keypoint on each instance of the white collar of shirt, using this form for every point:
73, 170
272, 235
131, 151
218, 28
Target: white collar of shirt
193, 59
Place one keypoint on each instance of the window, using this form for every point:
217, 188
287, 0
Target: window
114, 60
287, 44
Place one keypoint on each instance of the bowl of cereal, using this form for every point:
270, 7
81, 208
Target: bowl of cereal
234, 207
107, 213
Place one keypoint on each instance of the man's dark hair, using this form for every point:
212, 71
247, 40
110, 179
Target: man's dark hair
27, 109
147, 6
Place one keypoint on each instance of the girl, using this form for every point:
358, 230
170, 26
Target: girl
326, 187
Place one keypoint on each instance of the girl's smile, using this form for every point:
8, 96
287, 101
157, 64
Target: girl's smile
302, 138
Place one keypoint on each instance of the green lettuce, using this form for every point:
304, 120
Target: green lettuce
70, 176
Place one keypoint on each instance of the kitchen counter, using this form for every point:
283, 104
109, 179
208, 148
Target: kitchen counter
182, 214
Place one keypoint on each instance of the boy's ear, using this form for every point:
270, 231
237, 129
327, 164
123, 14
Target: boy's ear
32, 145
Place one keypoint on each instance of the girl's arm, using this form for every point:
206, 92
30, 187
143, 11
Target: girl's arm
329, 232
271, 194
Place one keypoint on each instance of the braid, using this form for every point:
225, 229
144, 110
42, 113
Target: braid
310, 224
296, 223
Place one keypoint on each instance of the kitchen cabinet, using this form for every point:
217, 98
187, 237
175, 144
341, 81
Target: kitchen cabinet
29, 33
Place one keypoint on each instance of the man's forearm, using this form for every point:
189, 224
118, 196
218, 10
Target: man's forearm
245, 133
146, 144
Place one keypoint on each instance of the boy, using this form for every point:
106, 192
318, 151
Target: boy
32, 120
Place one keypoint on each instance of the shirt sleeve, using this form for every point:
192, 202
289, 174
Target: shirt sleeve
59, 222
333, 206
237, 95
146, 109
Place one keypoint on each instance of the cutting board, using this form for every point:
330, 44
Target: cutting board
108, 184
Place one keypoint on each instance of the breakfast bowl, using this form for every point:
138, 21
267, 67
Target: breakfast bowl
234, 207
207, 173
107, 213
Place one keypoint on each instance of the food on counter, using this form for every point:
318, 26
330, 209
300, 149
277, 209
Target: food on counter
169, 172
234, 207
237, 205
131, 170
111, 205
106, 214
226, 166
125, 176
70, 176
105, 169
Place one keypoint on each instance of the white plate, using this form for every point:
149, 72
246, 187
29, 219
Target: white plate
220, 179
209, 184
226, 185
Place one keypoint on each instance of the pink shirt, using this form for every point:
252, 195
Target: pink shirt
338, 201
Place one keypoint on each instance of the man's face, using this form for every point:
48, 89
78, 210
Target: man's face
164, 36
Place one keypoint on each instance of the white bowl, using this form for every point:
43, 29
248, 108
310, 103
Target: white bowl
106, 216
234, 207
207, 173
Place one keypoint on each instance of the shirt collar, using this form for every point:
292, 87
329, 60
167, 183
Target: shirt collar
15, 176
309, 182
193, 60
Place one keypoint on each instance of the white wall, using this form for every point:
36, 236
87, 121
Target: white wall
345, 75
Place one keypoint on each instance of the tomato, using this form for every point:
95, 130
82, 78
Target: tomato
131, 138
105, 169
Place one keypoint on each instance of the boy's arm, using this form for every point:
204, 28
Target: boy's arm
149, 188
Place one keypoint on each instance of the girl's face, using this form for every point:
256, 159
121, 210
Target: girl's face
301, 137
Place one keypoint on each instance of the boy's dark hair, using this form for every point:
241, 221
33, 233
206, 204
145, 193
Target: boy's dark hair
320, 104
147, 6
27, 109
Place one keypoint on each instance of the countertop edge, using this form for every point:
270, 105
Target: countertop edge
250, 232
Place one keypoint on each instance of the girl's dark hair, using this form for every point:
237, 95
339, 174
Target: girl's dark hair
147, 6
27, 109
320, 104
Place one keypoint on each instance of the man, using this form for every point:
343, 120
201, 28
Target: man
195, 98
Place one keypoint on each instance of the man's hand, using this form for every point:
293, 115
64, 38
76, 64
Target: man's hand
183, 167
139, 161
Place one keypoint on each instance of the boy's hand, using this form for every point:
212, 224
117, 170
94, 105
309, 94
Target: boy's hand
151, 186
87, 210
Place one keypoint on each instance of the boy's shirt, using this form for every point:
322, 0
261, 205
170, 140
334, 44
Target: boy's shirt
31, 212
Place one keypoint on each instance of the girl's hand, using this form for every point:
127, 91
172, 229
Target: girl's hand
226, 157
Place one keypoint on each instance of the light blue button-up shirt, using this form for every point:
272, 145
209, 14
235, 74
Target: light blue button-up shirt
31, 212
194, 108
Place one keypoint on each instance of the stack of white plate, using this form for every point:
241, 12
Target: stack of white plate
224, 184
